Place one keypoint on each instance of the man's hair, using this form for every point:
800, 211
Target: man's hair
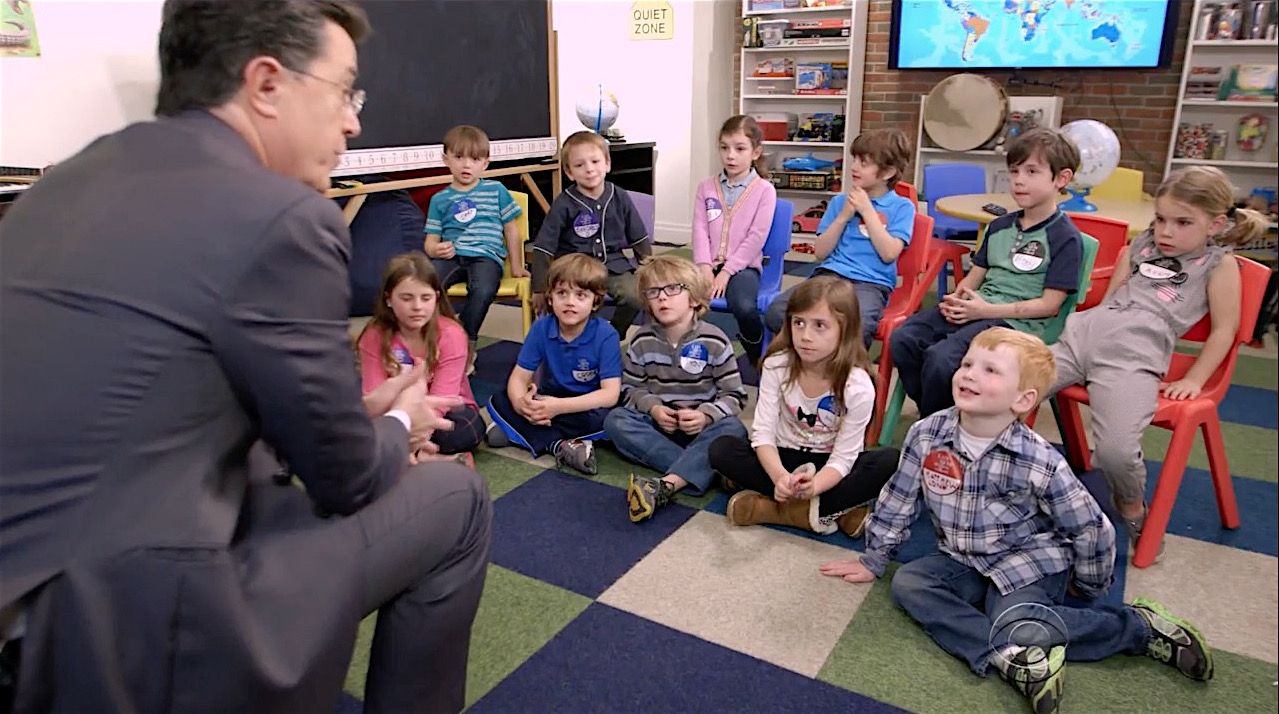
1056, 150
583, 138
468, 141
205, 44
669, 269
1034, 359
886, 148
577, 270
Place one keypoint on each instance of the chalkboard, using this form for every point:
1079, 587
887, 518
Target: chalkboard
432, 64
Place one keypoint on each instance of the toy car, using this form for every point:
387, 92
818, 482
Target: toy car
807, 221
806, 163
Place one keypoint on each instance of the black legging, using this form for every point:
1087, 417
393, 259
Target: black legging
734, 458
467, 431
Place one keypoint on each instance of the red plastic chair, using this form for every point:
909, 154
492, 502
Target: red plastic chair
914, 277
1183, 418
1112, 236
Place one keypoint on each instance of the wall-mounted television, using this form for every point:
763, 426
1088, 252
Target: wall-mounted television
1032, 34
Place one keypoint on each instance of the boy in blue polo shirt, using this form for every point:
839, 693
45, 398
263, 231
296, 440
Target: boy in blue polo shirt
581, 372
864, 230
471, 227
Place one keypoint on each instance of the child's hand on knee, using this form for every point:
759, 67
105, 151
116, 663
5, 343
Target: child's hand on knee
664, 417
851, 570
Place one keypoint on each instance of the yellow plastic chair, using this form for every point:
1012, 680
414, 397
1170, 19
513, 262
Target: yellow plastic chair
510, 287
1123, 184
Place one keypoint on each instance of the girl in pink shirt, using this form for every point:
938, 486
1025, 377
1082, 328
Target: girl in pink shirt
411, 324
732, 213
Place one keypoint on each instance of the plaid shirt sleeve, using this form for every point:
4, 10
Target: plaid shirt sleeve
1076, 514
896, 508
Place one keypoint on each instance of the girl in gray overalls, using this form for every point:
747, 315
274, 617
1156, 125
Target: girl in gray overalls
1165, 281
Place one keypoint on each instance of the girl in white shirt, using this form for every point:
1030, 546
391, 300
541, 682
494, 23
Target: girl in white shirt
805, 465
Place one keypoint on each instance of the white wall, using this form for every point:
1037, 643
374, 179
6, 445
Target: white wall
97, 71
673, 92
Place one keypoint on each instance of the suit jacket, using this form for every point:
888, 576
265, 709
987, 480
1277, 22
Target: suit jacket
165, 302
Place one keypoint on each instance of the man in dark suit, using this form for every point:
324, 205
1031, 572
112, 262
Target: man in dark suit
169, 296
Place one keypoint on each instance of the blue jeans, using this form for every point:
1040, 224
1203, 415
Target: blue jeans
958, 607
871, 299
482, 276
639, 439
927, 350
742, 296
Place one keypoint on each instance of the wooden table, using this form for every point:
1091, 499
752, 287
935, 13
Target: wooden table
1138, 214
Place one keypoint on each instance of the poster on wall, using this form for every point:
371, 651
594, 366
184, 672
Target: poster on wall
18, 29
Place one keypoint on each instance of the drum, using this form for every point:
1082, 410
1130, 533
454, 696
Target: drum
964, 111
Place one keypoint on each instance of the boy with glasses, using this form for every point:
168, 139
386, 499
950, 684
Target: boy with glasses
681, 388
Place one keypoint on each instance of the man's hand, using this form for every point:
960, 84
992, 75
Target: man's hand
665, 417
851, 570
692, 421
424, 411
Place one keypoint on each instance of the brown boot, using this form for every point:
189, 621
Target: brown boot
853, 521
748, 508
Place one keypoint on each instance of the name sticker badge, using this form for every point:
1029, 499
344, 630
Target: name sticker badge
943, 472
584, 372
586, 224
713, 209
1028, 257
464, 210
692, 358
861, 225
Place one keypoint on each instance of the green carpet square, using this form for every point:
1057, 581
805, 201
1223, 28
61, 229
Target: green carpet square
1251, 451
503, 474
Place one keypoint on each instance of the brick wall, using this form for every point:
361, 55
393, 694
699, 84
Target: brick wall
1138, 104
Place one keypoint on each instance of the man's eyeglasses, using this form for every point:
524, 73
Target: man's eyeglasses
354, 97
670, 290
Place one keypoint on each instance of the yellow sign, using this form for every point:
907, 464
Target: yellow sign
652, 20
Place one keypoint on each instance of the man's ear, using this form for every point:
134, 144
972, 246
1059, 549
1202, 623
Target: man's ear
263, 80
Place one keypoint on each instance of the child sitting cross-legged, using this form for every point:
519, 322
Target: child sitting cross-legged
580, 359
682, 388
804, 465
1016, 530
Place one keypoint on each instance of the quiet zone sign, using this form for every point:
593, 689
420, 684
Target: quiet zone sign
652, 20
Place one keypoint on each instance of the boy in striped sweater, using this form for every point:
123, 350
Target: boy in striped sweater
680, 386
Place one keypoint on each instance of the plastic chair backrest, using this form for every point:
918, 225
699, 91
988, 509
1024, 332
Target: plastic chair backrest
521, 200
646, 205
1112, 236
775, 247
1058, 323
1122, 184
912, 265
908, 190
1253, 277
942, 180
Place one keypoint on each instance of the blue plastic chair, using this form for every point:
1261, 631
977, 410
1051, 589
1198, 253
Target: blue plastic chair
646, 205
940, 181
770, 276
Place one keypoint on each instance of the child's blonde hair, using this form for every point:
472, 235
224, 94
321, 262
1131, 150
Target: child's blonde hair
668, 269
1034, 360
467, 141
841, 299
1208, 189
886, 148
580, 271
583, 138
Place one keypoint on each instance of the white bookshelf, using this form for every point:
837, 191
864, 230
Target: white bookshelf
991, 159
753, 101
1246, 169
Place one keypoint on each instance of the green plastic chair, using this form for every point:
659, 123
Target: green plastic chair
1051, 333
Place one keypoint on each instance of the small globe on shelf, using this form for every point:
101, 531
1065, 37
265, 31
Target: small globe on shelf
1098, 158
597, 109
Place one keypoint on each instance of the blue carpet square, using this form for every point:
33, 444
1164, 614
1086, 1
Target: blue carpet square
1249, 405
609, 661
575, 533
1195, 513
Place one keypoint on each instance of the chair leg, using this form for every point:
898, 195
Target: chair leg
526, 313
883, 376
957, 267
1160, 509
941, 280
1073, 435
1222, 484
891, 415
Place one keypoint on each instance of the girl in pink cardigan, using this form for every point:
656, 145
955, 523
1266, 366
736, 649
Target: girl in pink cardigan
732, 213
412, 324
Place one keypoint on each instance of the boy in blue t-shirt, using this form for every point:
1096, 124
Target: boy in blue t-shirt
471, 227
580, 360
864, 230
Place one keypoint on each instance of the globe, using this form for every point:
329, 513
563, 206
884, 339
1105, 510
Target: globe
1098, 157
597, 109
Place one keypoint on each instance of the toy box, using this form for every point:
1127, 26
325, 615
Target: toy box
772, 31
777, 126
782, 67
812, 75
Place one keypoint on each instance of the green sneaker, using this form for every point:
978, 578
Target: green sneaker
1174, 641
646, 494
1040, 677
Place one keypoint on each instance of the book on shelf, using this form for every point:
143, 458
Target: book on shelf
1204, 81
1249, 83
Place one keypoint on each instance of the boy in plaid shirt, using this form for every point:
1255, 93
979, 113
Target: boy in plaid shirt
1016, 530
